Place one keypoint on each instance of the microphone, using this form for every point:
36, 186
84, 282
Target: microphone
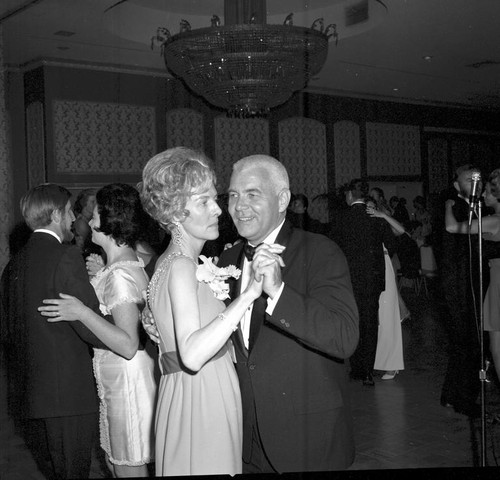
474, 197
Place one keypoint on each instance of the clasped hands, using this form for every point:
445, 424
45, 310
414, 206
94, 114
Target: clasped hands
266, 268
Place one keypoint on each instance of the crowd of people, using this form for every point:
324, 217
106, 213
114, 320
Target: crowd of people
223, 356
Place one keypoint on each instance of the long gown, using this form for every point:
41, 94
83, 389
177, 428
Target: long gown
199, 417
389, 354
126, 388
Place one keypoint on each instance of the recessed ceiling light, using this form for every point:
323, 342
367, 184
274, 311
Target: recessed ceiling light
64, 33
427, 58
395, 89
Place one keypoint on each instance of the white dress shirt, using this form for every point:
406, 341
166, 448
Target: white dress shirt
245, 278
50, 232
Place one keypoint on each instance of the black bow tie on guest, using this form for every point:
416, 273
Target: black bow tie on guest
249, 251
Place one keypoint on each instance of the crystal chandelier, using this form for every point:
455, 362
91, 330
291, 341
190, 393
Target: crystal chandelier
247, 68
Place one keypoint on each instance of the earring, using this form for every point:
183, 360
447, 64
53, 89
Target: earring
176, 234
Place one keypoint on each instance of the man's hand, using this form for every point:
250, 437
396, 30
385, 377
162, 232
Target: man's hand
148, 322
266, 266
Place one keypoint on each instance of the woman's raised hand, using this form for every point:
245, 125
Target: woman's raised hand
94, 263
67, 308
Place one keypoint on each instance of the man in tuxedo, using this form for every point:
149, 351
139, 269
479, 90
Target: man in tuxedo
52, 392
361, 238
461, 384
291, 345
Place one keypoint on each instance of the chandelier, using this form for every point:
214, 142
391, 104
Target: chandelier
247, 68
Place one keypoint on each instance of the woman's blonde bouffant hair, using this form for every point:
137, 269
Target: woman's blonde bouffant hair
169, 179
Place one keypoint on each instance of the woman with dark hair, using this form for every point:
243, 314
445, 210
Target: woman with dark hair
124, 373
491, 232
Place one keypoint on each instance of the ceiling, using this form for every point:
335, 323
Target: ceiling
440, 52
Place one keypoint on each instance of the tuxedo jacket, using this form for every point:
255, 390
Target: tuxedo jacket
292, 379
361, 237
49, 364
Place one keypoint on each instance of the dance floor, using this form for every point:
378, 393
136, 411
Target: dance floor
399, 424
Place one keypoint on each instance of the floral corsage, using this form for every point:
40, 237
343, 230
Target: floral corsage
216, 277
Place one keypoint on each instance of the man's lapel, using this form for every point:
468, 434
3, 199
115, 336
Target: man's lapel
260, 305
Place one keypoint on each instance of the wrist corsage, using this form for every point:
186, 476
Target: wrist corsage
216, 277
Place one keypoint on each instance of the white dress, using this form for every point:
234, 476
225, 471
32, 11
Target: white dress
126, 388
389, 355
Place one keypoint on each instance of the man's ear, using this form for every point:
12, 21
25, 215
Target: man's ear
284, 199
56, 216
457, 186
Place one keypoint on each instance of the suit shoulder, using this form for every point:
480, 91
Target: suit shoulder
230, 255
315, 242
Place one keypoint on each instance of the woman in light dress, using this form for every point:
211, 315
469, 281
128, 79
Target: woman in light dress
124, 373
392, 309
199, 418
491, 232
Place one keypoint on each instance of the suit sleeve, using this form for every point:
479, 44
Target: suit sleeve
319, 310
388, 238
72, 279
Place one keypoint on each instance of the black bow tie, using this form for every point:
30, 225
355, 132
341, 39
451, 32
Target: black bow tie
249, 251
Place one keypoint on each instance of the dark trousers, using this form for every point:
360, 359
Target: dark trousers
62, 446
258, 462
363, 359
461, 385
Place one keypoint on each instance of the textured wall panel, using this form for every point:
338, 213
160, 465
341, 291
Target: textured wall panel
302, 150
392, 150
347, 152
105, 138
185, 128
438, 164
236, 138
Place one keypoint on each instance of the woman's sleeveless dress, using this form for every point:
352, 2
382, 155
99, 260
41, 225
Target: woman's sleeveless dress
126, 388
389, 354
492, 298
199, 418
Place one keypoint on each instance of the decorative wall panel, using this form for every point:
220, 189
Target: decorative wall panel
185, 128
437, 149
347, 152
103, 138
392, 149
302, 149
35, 140
236, 138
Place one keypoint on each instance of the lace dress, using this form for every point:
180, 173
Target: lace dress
126, 388
199, 418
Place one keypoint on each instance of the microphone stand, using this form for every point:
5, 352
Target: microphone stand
482, 372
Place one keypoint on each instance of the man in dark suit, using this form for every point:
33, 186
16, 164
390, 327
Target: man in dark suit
290, 347
51, 386
361, 238
461, 384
